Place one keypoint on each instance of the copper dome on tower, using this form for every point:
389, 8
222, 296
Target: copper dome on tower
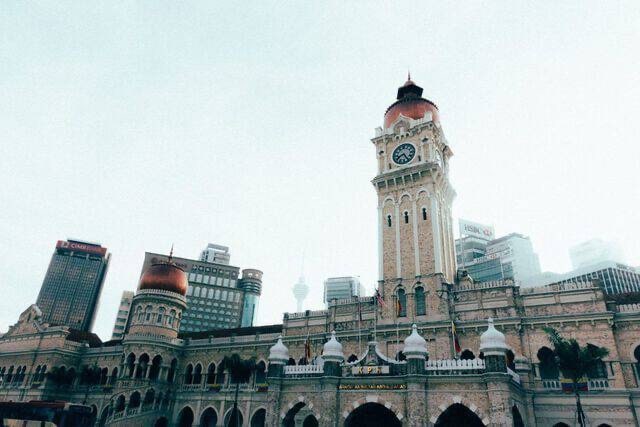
410, 104
165, 276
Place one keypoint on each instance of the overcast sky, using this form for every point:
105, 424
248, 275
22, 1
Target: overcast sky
146, 124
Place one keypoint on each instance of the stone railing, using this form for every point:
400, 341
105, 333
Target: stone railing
551, 384
483, 285
628, 308
598, 384
308, 313
557, 287
514, 376
303, 370
352, 300
454, 366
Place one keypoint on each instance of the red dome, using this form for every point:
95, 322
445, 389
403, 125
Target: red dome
165, 277
410, 104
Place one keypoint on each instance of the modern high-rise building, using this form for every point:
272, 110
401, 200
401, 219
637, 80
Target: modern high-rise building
218, 296
216, 254
594, 251
614, 278
71, 288
300, 292
508, 257
342, 287
123, 315
473, 242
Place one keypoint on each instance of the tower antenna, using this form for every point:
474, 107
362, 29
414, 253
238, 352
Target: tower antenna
171, 254
408, 74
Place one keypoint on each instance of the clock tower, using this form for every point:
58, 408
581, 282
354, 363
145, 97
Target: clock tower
415, 233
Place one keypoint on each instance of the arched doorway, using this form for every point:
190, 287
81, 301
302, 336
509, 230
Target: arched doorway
258, 418
517, 418
161, 422
103, 416
310, 421
185, 418
458, 415
233, 418
209, 418
372, 414
289, 418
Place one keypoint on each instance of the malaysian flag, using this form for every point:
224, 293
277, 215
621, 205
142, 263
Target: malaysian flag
379, 299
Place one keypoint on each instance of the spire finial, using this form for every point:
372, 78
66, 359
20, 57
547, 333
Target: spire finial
171, 253
408, 74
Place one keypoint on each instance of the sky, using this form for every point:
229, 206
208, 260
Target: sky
145, 124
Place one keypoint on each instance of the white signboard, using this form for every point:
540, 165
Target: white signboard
468, 228
370, 370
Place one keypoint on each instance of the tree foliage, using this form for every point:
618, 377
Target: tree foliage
239, 369
575, 362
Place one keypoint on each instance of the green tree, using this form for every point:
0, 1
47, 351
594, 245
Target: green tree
575, 362
239, 372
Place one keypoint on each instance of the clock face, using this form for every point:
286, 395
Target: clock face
404, 153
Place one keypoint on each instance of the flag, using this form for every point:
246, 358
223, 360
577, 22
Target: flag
307, 349
359, 311
456, 343
379, 298
398, 308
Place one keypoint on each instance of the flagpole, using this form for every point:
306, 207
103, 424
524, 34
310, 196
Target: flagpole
359, 328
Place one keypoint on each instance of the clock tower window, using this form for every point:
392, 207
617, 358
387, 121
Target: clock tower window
424, 214
389, 220
406, 217
401, 303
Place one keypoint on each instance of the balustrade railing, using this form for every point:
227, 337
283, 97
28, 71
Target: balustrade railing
551, 384
598, 384
514, 375
454, 366
303, 369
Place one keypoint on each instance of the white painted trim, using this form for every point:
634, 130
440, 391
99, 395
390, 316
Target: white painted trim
435, 226
398, 254
416, 246
381, 225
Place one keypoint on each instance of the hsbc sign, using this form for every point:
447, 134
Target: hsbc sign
81, 247
468, 228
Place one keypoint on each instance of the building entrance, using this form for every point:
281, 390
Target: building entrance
372, 415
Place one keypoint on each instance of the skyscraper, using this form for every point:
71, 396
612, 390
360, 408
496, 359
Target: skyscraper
594, 251
300, 292
123, 315
218, 295
342, 287
71, 288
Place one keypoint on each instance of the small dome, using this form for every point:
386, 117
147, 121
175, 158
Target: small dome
410, 104
492, 340
165, 277
332, 349
414, 344
279, 351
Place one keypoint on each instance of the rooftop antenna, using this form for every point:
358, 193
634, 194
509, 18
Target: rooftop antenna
171, 254
408, 74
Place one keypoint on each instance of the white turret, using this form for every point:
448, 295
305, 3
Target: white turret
415, 347
332, 350
492, 341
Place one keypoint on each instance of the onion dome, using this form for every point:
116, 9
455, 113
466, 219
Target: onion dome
414, 344
332, 350
165, 276
410, 104
492, 341
279, 352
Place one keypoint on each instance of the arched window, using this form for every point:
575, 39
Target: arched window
160, 315
114, 376
120, 403
401, 303
197, 374
188, 374
149, 397
211, 373
134, 400
406, 217
352, 358
36, 376
467, 355
599, 370
548, 366
261, 373
139, 313
510, 360
389, 220
104, 375
424, 214
147, 313
172, 370
172, 316
43, 372
421, 307
400, 356
156, 363
636, 354
131, 360
290, 362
